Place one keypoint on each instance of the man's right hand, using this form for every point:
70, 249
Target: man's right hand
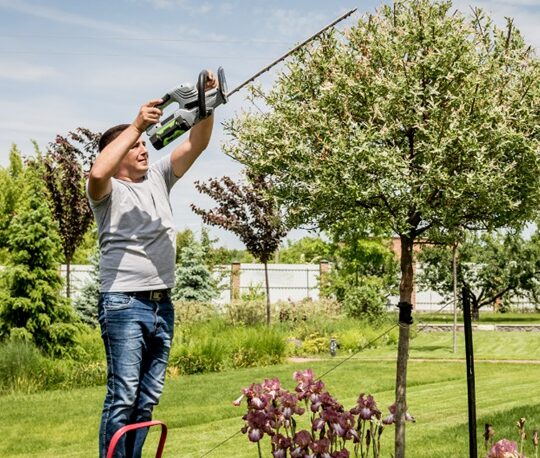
148, 115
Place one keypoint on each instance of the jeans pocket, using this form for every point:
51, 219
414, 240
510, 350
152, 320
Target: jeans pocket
116, 301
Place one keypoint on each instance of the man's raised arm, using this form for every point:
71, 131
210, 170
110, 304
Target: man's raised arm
184, 155
110, 157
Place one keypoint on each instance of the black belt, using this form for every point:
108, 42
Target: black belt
158, 295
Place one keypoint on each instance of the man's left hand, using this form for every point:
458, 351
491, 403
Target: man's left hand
211, 82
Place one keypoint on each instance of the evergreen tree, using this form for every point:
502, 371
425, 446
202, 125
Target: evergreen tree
193, 279
86, 304
10, 181
31, 306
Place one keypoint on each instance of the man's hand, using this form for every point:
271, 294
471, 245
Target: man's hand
211, 82
148, 115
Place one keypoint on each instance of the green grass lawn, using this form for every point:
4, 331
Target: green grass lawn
200, 415
486, 317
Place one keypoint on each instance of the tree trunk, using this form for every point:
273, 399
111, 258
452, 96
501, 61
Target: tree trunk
405, 299
68, 279
475, 312
454, 281
267, 294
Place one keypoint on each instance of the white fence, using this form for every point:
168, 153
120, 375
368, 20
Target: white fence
293, 282
79, 274
286, 281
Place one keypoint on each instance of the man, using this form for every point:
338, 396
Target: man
130, 201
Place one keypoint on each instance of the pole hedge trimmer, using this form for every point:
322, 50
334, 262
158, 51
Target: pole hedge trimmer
195, 104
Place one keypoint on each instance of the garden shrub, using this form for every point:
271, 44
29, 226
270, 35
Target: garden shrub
246, 313
365, 301
187, 312
258, 347
67, 374
200, 347
24, 369
198, 356
255, 292
294, 312
314, 344
90, 346
21, 367
365, 336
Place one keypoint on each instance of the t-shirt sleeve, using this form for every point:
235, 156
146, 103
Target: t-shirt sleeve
164, 168
97, 203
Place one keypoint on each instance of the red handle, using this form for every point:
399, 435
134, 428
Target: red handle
145, 424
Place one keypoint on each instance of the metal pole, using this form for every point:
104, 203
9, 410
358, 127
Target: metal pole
454, 280
469, 356
288, 53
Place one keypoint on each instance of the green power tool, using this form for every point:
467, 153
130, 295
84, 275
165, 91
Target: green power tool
194, 104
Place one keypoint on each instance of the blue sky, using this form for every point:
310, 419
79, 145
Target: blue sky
65, 64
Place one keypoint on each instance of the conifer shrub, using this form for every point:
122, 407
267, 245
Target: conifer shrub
32, 307
194, 281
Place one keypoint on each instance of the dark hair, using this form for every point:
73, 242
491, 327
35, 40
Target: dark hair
109, 135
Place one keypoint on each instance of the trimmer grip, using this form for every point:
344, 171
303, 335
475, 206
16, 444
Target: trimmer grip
166, 100
201, 96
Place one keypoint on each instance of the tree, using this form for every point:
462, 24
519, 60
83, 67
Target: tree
213, 255
416, 121
193, 278
305, 250
31, 306
493, 268
10, 190
362, 264
184, 239
248, 211
86, 304
64, 172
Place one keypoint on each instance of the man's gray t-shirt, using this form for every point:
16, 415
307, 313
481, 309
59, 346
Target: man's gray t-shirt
136, 232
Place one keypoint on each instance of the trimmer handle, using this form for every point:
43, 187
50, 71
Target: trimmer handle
201, 96
201, 90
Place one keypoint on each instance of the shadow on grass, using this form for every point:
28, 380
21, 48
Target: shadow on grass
421, 348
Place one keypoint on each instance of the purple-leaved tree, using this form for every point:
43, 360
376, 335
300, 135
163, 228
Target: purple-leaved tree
248, 211
64, 168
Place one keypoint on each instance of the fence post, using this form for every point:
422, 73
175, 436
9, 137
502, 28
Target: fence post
235, 281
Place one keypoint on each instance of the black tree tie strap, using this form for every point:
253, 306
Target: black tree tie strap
405, 312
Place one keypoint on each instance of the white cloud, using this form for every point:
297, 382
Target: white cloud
187, 6
292, 22
22, 71
59, 15
516, 3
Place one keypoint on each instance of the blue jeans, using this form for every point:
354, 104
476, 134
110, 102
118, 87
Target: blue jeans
137, 334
